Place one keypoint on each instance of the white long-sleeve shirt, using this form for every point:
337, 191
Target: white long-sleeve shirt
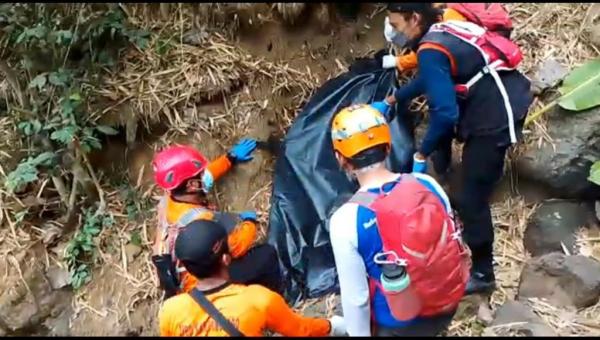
352, 273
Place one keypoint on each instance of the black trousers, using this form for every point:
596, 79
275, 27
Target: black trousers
483, 165
427, 327
260, 266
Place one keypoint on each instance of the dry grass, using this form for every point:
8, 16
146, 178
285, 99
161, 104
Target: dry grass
169, 87
550, 31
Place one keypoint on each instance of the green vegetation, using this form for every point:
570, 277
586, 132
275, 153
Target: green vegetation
54, 57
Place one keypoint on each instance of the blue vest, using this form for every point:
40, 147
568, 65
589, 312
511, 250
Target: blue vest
369, 244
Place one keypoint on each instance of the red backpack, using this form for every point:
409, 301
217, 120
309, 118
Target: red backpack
413, 223
492, 16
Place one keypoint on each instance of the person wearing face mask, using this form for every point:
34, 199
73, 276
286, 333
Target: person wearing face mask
187, 176
408, 61
476, 95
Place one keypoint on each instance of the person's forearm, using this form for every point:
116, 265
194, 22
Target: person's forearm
436, 130
219, 167
438, 85
242, 238
406, 62
283, 320
409, 91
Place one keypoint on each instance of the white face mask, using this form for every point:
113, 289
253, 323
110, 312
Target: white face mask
392, 36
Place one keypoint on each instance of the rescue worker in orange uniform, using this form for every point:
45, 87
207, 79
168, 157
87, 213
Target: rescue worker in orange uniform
187, 176
202, 247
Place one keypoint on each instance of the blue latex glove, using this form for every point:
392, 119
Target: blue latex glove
248, 215
242, 151
207, 181
382, 107
419, 165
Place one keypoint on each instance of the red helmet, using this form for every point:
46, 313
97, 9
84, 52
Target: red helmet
175, 164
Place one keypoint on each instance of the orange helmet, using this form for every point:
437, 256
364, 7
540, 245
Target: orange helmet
357, 128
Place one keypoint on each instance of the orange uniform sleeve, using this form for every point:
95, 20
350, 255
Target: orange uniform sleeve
407, 61
283, 320
219, 167
242, 238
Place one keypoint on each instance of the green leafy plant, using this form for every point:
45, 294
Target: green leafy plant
81, 250
58, 54
595, 173
580, 90
135, 206
60, 51
27, 171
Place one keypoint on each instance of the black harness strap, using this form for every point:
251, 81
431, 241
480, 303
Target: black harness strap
214, 313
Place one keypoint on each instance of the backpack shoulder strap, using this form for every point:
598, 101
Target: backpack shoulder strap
363, 198
214, 313
227, 220
191, 215
444, 50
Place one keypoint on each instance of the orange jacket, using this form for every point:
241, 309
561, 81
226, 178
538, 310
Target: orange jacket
252, 309
409, 61
240, 240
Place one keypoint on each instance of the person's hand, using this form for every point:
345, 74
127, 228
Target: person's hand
338, 326
391, 100
242, 151
388, 61
382, 107
248, 216
419, 163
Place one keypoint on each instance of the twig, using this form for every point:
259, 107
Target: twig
88, 165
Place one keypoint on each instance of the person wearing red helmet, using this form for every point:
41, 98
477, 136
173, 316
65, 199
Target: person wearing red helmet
187, 176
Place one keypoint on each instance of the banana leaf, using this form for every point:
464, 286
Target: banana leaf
580, 90
595, 173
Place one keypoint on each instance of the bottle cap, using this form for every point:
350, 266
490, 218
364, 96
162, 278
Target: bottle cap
393, 271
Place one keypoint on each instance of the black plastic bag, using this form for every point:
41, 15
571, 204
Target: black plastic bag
308, 184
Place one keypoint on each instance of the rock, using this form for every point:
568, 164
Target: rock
514, 316
51, 234
484, 314
564, 165
132, 251
196, 37
562, 280
59, 325
25, 304
548, 75
594, 35
58, 277
555, 223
